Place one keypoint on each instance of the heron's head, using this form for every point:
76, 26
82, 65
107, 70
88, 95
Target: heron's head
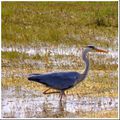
93, 48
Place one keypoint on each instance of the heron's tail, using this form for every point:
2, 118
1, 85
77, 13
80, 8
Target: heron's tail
34, 77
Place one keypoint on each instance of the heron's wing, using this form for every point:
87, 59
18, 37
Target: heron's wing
58, 80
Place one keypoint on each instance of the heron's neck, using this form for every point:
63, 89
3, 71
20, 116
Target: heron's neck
86, 62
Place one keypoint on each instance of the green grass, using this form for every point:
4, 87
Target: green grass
14, 55
56, 22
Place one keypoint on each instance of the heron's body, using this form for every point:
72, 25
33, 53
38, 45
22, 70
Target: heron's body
57, 80
64, 80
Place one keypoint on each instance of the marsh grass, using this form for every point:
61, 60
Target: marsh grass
58, 22
98, 83
57, 61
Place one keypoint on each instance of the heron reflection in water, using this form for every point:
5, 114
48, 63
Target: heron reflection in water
62, 81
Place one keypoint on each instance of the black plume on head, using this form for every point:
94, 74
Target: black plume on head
91, 46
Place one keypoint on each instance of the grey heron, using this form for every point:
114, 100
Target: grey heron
65, 80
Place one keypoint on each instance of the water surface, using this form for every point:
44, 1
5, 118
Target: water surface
23, 103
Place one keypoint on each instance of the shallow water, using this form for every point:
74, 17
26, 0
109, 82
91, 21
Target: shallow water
44, 50
60, 56
20, 102
70, 58
53, 51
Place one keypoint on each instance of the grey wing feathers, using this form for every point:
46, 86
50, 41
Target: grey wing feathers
62, 80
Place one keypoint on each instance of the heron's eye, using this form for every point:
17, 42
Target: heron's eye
91, 46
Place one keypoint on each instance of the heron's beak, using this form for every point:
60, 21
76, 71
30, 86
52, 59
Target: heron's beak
100, 50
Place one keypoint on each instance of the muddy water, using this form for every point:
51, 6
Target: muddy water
23, 103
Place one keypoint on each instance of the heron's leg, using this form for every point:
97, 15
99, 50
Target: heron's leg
45, 92
52, 92
62, 94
